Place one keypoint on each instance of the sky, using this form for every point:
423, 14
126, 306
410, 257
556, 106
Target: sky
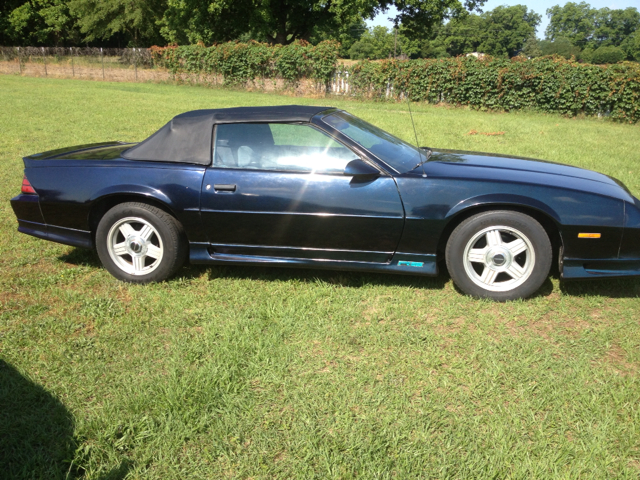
538, 6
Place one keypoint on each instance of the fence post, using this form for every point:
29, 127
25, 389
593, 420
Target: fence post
73, 68
19, 61
102, 60
44, 58
135, 62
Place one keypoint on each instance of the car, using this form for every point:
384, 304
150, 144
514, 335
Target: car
317, 187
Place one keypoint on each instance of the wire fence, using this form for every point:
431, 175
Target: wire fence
136, 65
113, 64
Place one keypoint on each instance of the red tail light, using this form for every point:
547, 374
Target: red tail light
26, 186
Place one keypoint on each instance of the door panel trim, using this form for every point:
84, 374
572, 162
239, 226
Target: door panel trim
310, 214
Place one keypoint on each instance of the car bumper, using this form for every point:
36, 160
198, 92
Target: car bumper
31, 222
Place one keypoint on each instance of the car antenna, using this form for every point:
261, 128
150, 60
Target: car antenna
429, 152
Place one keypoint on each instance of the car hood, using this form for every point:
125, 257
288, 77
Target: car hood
506, 164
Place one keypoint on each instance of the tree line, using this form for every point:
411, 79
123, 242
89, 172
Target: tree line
423, 28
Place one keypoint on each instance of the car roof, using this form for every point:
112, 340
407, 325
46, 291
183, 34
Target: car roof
187, 137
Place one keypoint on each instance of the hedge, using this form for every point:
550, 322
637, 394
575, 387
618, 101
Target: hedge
239, 63
548, 84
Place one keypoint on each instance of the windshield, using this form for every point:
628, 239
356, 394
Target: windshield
396, 153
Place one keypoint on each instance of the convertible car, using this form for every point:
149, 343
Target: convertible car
318, 187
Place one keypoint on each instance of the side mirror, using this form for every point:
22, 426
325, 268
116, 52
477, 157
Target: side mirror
358, 168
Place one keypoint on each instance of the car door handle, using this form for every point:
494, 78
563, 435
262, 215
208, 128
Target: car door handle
220, 187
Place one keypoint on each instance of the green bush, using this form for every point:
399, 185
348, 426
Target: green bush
548, 84
604, 55
239, 63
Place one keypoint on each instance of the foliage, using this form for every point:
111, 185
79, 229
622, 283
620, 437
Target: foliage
548, 84
191, 21
240, 63
589, 28
573, 21
531, 48
347, 35
38, 22
500, 32
138, 19
607, 55
379, 42
419, 17
209, 21
145, 22
506, 29
560, 46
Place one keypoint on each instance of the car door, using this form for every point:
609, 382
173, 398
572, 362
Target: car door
279, 190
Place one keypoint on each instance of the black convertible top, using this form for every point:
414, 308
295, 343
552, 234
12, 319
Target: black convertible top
187, 137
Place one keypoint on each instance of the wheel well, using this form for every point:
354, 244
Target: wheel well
104, 204
545, 220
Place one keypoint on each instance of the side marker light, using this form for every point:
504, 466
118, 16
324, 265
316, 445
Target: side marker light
589, 235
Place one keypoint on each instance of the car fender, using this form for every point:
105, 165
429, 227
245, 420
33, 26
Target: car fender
503, 199
141, 190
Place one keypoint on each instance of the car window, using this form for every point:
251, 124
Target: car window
395, 152
280, 147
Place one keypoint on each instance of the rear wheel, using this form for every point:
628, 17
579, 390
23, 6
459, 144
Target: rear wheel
501, 255
140, 243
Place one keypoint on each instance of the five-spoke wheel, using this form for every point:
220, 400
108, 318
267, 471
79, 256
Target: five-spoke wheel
135, 246
140, 243
502, 255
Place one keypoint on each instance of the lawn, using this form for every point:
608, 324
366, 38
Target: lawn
237, 372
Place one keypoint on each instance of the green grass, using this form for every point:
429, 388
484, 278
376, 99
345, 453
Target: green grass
272, 373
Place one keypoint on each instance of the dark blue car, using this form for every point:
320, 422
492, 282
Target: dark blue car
317, 187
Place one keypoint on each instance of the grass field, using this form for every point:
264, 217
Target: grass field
242, 372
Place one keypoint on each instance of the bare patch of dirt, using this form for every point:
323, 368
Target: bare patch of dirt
617, 358
487, 134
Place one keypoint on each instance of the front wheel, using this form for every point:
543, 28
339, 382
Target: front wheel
139, 243
501, 255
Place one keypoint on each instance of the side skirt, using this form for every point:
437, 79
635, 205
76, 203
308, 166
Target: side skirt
584, 268
403, 263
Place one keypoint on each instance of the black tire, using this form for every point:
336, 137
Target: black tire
134, 257
502, 255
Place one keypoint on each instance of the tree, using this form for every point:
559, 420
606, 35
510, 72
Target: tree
589, 29
284, 21
419, 17
560, 46
379, 42
274, 21
573, 21
500, 32
614, 27
607, 54
347, 35
38, 22
460, 36
506, 29
135, 21
634, 47
531, 48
